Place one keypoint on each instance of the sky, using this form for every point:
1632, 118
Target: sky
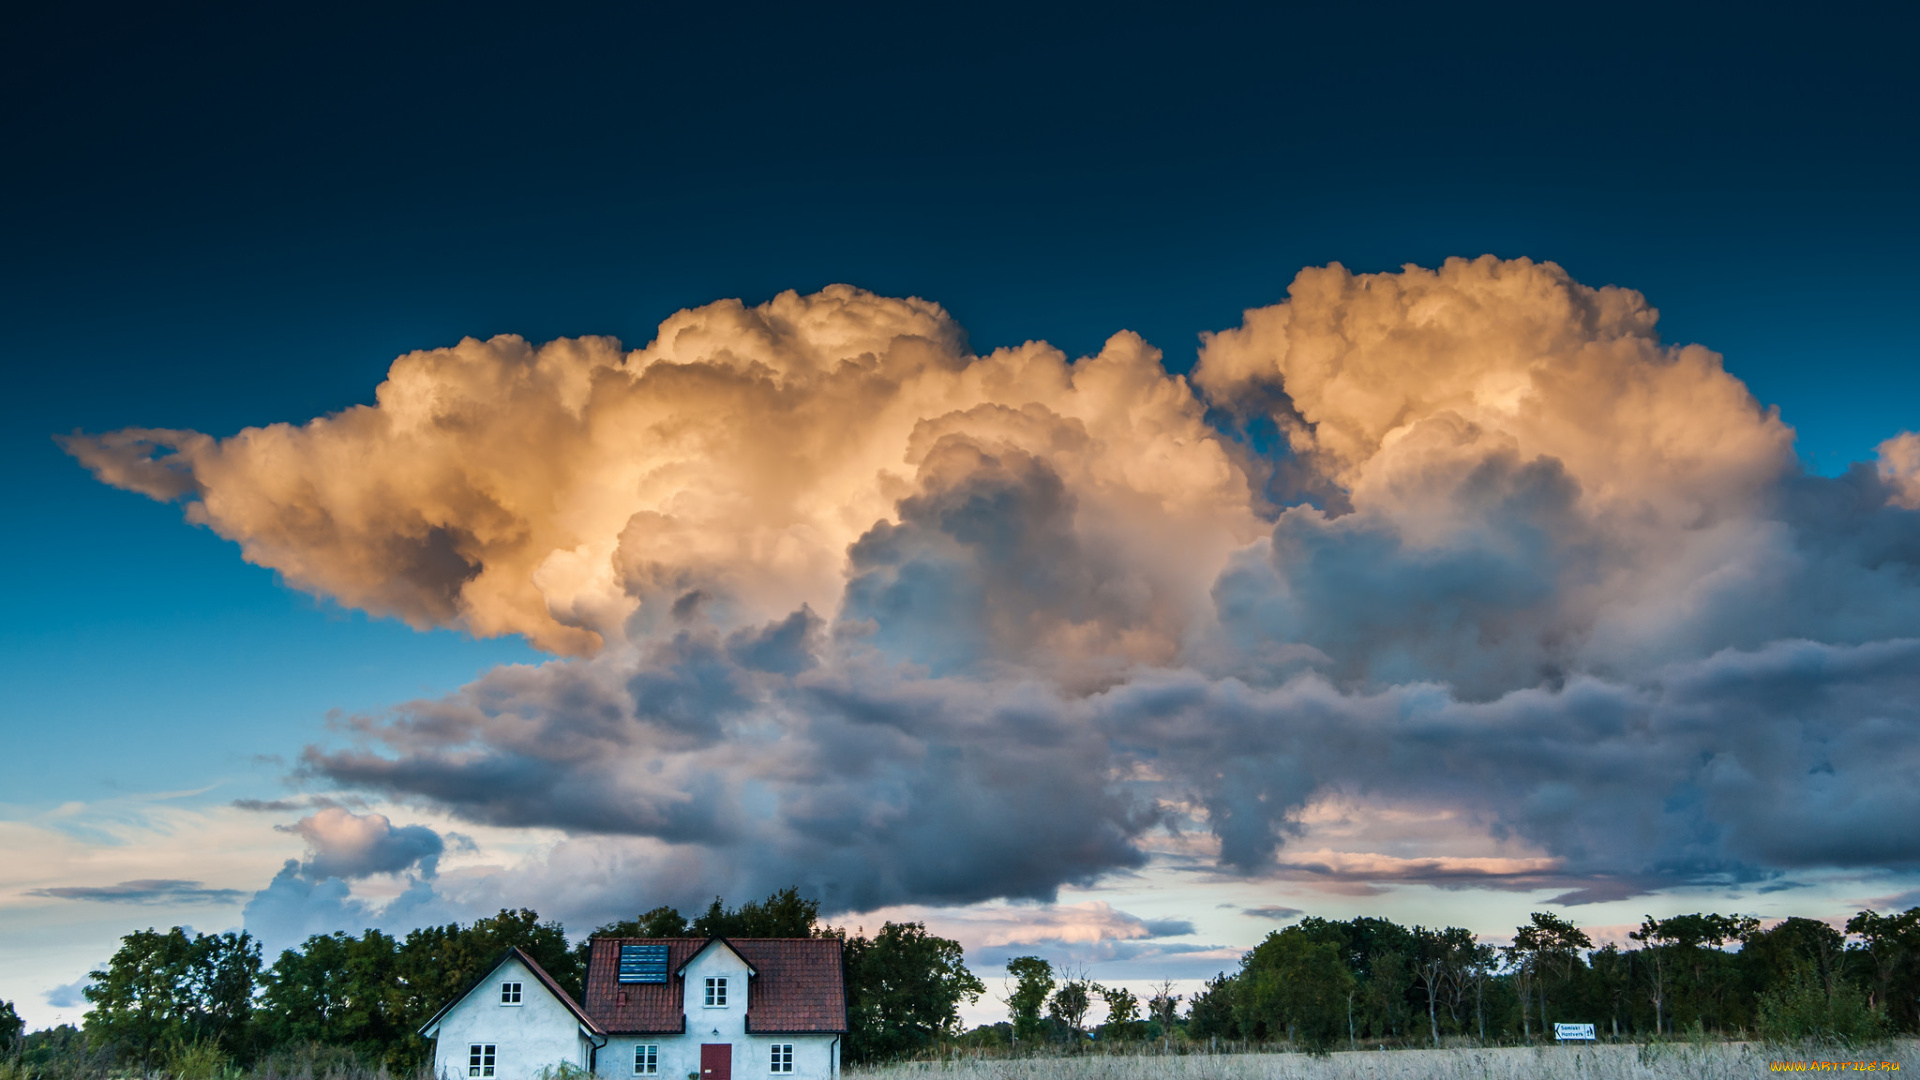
1104, 483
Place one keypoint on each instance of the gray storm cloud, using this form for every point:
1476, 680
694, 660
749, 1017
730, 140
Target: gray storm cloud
845, 604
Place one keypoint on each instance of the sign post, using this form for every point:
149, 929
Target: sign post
1573, 1032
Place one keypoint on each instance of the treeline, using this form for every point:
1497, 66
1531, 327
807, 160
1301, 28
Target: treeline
1327, 983
192, 1004
1045, 1008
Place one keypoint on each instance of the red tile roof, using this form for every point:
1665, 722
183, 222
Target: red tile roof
798, 987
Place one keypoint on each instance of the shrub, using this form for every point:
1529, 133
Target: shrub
1810, 1009
201, 1059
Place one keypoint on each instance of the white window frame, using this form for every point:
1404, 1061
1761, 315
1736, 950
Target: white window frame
482, 1059
781, 1059
510, 992
646, 1059
716, 992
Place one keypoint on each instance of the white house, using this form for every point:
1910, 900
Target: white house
511, 1024
712, 1009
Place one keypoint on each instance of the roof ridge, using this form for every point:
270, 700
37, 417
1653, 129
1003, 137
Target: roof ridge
515, 952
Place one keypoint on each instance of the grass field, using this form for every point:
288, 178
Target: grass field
1711, 1061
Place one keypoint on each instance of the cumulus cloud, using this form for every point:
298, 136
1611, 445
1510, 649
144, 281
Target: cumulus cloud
295, 906
558, 491
344, 844
1900, 468
315, 895
850, 606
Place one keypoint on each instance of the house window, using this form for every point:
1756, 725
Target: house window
646, 1059
480, 1059
510, 993
783, 1057
716, 993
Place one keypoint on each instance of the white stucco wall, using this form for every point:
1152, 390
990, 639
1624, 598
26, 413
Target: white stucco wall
814, 1056
535, 1034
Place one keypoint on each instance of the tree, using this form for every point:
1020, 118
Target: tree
1809, 1007
1697, 941
1389, 976
1522, 968
1212, 1014
1293, 983
10, 1025
1032, 986
1123, 1012
784, 914
1469, 967
661, 922
336, 990
1072, 1001
1654, 952
1550, 943
1892, 947
1613, 974
1377, 953
904, 989
161, 988
1438, 956
1164, 1007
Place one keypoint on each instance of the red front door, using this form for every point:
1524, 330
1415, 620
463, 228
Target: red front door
716, 1061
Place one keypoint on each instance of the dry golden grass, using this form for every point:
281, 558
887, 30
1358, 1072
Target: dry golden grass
1711, 1061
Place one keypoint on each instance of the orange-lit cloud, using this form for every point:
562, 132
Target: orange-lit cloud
1900, 467
854, 607
559, 491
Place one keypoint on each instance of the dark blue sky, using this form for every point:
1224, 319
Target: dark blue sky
240, 215
215, 216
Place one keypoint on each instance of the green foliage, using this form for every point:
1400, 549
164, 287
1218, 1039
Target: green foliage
784, 914
987, 1037
338, 990
1811, 1009
200, 1059
1544, 954
904, 989
312, 1059
1123, 1014
169, 988
1440, 959
661, 922
1164, 1009
564, 1070
1890, 948
1211, 1015
10, 1025
1032, 986
60, 1052
186, 1004
369, 995
1294, 986
1071, 1002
